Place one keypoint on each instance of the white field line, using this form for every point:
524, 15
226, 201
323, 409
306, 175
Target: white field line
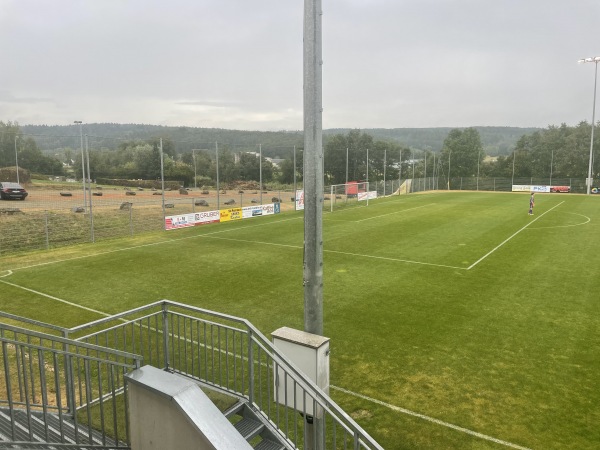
567, 226
386, 258
55, 298
512, 236
431, 419
395, 212
355, 394
74, 258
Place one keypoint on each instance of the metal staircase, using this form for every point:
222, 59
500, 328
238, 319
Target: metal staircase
56, 381
253, 428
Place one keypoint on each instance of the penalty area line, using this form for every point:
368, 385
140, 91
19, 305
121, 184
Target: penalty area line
430, 419
395, 212
66, 302
512, 236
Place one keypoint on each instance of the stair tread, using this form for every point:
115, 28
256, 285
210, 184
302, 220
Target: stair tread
267, 444
249, 427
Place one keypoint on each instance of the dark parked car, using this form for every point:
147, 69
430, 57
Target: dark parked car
12, 190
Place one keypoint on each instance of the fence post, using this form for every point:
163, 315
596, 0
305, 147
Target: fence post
46, 226
70, 385
250, 368
131, 219
165, 329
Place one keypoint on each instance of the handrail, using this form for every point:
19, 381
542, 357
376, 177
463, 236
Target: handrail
225, 352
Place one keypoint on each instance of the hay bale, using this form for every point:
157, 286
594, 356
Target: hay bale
201, 202
97, 194
169, 205
276, 200
78, 209
254, 201
126, 206
183, 191
205, 192
230, 202
65, 194
129, 193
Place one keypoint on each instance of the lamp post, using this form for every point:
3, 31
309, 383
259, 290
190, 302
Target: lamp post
82, 161
17, 159
595, 60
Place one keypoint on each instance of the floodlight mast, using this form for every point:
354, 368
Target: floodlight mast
595, 60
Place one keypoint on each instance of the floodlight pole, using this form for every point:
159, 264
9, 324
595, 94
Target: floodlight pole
595, 60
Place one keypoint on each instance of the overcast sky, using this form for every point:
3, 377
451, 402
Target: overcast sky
237, 64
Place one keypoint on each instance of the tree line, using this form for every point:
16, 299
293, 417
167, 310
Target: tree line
557, 151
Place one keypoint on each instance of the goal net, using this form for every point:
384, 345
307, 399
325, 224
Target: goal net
352, 194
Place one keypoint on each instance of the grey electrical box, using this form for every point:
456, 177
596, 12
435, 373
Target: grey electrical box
310, 353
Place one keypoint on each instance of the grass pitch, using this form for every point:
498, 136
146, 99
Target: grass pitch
456, 319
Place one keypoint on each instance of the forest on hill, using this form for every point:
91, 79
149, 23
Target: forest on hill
496, 141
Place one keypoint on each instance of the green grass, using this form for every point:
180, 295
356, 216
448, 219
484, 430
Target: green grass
456, 306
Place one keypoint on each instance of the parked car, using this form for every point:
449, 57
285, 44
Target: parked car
12, 191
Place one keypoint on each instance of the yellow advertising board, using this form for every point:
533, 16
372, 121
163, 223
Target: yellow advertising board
231, 214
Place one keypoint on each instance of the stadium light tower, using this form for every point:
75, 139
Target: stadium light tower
595, 60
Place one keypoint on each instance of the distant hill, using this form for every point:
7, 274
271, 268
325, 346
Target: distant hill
275, 144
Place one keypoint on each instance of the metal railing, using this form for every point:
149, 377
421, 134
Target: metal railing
59, 391
230, 355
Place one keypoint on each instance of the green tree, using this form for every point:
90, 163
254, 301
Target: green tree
462, 151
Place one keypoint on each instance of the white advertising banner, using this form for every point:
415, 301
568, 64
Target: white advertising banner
299, 200
367, 195
185, 220
529, 188
205, 217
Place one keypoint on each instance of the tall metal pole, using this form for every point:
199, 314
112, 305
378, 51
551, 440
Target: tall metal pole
313, 193
17, 159
162, 181
384, 167
260, 171
87, 156
478, 158
512, 182
346, 165
82, 162
399, 170
218, 187
449, 156
313, 169
195, 172
595, 60
295, 186
367, 176
551, 162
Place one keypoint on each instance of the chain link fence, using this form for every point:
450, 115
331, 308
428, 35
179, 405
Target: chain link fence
50, 218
